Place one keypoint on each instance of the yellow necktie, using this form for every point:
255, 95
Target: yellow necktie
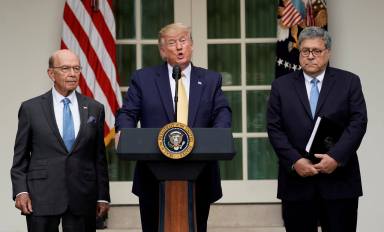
182, 104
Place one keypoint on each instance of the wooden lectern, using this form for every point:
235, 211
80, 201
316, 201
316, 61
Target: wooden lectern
176, 177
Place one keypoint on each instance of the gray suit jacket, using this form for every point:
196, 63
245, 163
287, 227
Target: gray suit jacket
55, 178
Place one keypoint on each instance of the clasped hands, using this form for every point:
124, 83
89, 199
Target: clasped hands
304, 167
24, 204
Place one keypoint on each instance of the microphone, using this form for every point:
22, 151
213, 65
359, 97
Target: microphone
176, 74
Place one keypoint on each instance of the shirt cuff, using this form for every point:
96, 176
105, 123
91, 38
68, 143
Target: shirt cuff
21, 193
103, 201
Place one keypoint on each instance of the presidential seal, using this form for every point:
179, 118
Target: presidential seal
175, 140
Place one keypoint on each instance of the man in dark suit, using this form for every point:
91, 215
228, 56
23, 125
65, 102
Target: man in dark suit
326, 192
150, 101
59, 169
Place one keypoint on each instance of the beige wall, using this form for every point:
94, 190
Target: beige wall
30, 32
358, 34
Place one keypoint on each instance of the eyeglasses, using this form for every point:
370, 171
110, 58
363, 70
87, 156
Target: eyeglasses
315, 52
67, 69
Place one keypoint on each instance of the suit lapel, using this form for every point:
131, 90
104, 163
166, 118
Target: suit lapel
195, 91
49, 113
299, 83
326, 87
164, 89
83, 111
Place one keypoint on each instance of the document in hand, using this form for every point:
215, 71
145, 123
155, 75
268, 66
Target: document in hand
324, 136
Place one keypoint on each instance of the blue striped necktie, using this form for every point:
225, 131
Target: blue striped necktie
314, 96
68, 128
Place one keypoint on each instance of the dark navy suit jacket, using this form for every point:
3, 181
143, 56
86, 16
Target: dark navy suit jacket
290, 125
149, 100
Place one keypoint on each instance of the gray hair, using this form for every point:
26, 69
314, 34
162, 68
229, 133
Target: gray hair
51, 61
316, 32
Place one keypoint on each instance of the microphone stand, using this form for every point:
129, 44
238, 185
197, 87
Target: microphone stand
176, 74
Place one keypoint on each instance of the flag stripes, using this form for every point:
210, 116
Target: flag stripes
293, 16
103, 29
290, 15
310, 21
92, 88
90, 34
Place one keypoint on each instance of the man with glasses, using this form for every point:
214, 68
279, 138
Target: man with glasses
324, 190
150, 100
59, 172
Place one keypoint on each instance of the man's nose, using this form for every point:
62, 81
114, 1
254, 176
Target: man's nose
179, 45
72, 71
310, 55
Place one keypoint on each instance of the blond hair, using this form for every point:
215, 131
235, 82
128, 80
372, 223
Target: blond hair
173, 28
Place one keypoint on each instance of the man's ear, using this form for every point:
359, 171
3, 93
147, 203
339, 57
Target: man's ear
51, 74
162, 54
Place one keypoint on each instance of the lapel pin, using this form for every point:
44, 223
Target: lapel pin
84, 107
199, 83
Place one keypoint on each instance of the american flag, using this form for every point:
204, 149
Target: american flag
293, 16
89, 31
310, 18
290, 15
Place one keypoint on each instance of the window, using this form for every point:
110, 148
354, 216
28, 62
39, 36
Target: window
234, 37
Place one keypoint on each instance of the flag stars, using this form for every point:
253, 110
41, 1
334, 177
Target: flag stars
287, 64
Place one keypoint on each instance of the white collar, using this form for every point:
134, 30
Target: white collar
57, 97
186, 71
319, 77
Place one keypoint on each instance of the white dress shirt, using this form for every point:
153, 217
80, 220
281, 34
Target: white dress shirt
58, 107
308, 84
186, 81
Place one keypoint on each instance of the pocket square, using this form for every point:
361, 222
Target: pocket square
91, 120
